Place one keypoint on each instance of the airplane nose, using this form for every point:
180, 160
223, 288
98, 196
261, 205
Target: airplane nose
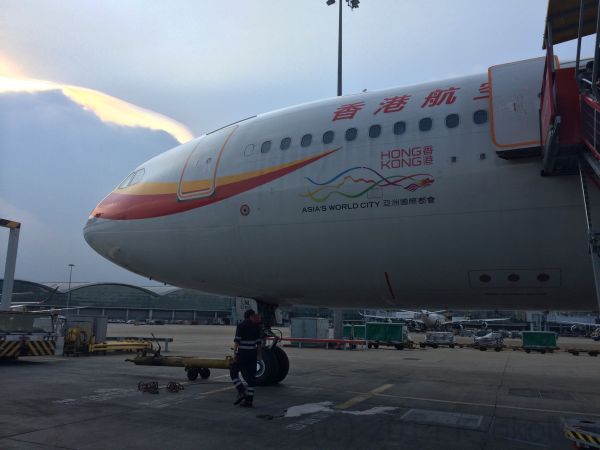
90, 233
96, 234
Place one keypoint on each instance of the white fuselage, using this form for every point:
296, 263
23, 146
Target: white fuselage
406, 219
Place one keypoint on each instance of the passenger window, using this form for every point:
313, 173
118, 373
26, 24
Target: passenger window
425, 124
265, 147
306, 140
399, 127
452, 120
285, 143
480, 116
126, 181
328, 137
375, 131
351, 134
249, 150
137, 177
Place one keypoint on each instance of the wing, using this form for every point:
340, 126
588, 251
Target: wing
587, 324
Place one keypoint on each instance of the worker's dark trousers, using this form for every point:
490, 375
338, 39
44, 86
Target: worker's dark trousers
245, 363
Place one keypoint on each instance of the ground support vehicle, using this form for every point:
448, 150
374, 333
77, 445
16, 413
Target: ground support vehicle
583, 432
380, 334
436, 339
78, 342
28, 334
491, 340
272, 368
539, 341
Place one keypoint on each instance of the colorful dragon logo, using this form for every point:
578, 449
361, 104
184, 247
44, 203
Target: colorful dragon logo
357, 181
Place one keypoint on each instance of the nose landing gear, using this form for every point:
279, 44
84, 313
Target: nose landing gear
274, 365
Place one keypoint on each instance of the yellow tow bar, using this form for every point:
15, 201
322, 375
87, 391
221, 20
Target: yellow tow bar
193, 366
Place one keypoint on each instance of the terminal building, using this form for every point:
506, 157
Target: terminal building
119, 301
125, 302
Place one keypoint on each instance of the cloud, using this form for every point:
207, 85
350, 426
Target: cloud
107, 108
57, 160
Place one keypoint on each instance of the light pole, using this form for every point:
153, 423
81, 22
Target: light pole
69, 294
351, 4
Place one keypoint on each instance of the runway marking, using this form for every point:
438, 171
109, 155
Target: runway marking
487, 405
214, 391
362, 397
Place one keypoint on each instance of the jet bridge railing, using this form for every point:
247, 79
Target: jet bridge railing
590, 126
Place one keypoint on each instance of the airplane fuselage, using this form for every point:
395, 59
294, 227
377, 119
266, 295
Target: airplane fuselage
392, 199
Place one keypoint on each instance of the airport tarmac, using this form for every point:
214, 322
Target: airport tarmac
378, 398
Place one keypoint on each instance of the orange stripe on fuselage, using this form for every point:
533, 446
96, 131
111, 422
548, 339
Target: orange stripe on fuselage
148, 200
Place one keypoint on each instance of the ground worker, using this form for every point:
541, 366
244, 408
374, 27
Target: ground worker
247, 347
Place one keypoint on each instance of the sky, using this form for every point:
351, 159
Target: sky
88, 90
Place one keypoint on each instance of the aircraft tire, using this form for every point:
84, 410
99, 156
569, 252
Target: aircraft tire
267, 368
192, 374
283, 364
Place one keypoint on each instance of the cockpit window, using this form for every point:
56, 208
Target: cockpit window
137, 177
132, 178
126, 181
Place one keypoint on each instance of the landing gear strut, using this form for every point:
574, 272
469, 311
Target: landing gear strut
274, 365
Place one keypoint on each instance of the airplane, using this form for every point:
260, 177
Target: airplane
433, 320
576, 326
23, 306
427, 194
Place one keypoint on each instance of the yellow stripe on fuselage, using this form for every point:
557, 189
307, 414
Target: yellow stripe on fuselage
156, 188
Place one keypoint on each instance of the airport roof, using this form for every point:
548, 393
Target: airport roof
63, 287
563, 16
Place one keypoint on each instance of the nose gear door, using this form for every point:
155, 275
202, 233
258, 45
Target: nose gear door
199, 175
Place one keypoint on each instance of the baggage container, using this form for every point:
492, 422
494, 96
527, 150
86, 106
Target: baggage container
310, 327
353, 331
390, 334
436, 338
377, 331
539, 340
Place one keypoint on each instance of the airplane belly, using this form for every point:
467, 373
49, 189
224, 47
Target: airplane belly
479, 242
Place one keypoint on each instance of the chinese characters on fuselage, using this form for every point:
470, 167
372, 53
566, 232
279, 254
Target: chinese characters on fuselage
394, 202
394, 104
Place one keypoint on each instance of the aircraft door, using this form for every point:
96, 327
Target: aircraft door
199, 175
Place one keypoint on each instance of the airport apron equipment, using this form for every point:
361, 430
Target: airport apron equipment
584, 433
271, 369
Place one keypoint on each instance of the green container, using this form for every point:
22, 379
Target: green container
396, 332
539, 339
347, 332
359, 331
377, 331
386, 332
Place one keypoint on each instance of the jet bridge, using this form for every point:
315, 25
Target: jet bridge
569, 115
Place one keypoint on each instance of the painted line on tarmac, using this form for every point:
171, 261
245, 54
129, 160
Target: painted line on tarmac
362, 397
487, 405
214, 391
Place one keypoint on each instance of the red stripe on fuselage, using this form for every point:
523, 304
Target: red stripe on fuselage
129, 207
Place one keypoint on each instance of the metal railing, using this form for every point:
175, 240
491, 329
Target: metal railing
590, 129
